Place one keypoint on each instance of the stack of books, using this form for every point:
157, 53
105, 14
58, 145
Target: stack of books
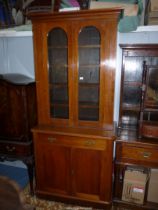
152, 16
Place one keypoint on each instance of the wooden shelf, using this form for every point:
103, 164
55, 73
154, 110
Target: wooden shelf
88, 84
60, 104
89, 46
86, 105
58, 66
131, 107
89, 65
133, 83
57, 47
58, 85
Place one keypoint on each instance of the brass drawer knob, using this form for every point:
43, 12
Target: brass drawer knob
90, 143
10, 148
51, 139
146, 154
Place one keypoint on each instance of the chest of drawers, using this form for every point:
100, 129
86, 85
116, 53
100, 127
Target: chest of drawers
18, 115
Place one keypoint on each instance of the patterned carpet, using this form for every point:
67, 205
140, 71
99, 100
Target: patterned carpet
41, 204
52, 205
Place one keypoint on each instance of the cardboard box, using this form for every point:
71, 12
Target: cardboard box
134, 186
154, 5
129, 9
153, 186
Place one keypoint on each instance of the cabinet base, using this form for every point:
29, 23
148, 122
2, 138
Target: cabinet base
74, 201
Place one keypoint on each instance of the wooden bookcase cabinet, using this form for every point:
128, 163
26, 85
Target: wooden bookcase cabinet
74, 58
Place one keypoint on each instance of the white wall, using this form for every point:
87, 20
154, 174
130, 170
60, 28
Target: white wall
16, 53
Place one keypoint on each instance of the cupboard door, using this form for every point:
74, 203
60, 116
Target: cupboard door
86, 170
91, 173
52, 166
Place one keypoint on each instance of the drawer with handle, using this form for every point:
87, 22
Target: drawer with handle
136, 153
73, 141
8, 148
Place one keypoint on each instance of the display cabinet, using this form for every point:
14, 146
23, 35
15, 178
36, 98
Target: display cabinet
75, 56
18, 116
133, 60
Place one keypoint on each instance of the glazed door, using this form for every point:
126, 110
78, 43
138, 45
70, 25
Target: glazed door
88, 74
58, 73
93, 76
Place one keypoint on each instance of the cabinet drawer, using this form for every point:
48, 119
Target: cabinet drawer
72, 141
11, 149
136, 153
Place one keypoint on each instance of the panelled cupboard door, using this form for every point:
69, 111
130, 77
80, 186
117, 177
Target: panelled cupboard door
91, 175
75, 69
52, 163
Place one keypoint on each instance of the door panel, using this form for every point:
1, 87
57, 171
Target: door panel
52, 167
86, 171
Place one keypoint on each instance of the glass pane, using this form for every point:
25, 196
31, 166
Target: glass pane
131, 95
89, 74
58, 73
129, 118
152, 87
133, 69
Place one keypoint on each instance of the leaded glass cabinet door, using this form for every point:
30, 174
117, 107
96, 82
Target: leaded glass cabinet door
88, 74
58, 73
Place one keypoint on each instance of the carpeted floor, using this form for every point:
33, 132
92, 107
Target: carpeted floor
41, 204
20, 176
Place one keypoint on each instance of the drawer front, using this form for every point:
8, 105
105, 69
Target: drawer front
150, 131
73, 141
12, 149
137, 153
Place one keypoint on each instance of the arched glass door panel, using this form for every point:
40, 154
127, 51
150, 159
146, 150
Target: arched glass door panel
89, 74
58, 73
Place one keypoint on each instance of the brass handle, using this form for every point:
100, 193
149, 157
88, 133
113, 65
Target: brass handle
51, 139
146, 154
90, 143
10, 148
